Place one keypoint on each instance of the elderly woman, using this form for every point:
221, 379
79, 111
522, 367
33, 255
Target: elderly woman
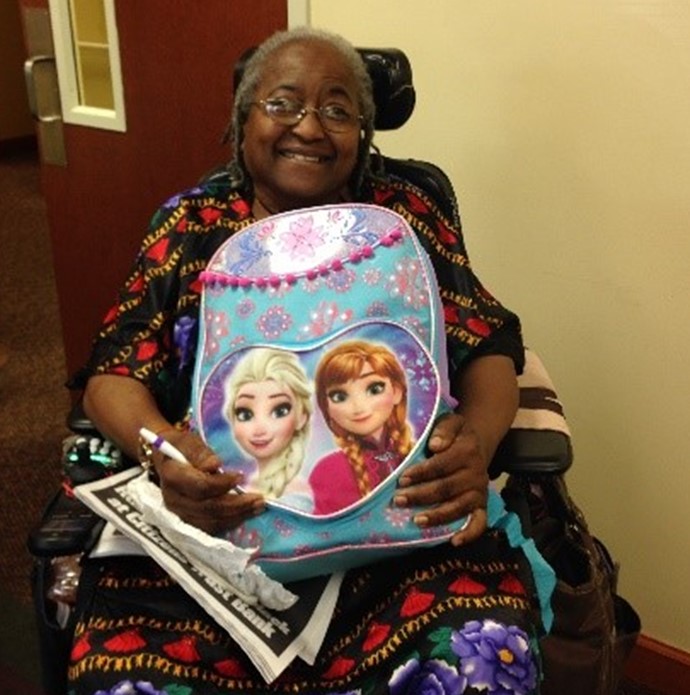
459, 616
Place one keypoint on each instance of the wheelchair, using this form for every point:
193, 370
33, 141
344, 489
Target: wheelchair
536, 451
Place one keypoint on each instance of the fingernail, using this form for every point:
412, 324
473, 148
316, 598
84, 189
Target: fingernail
435, 441
258, 508
404, 481
421, 520
400, 501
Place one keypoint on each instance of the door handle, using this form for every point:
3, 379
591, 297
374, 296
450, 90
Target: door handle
32, 91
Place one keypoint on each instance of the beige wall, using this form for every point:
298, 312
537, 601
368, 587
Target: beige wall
564, 126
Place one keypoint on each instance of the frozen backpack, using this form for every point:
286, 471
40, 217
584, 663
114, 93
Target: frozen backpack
320, 373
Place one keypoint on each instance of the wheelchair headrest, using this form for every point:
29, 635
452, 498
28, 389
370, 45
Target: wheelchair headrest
391, 76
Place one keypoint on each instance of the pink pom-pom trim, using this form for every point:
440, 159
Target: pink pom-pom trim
355, 256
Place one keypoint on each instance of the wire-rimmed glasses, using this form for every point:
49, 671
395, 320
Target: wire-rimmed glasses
335, 118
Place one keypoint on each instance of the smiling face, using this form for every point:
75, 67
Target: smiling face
301, 165
363, 405
265, 416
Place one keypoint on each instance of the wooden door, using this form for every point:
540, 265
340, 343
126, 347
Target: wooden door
176, 58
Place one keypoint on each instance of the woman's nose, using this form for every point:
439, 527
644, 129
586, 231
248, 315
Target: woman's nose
310, 127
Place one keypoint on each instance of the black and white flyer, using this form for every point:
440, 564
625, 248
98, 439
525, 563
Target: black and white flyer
271, 638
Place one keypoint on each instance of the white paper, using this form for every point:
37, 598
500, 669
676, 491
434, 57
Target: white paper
270, 638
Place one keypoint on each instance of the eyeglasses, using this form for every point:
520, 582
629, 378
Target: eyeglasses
334, 118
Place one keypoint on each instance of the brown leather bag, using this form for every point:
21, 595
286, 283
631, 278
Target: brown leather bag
594, 628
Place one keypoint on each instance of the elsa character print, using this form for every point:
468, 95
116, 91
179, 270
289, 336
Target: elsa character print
268, 405
361, 391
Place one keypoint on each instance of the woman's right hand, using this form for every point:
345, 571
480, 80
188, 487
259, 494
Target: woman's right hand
198, 493
201, 493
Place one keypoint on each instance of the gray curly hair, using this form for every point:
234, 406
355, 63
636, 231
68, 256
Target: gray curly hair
251, 77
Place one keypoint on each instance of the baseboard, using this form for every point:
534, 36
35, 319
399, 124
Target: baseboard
659, 666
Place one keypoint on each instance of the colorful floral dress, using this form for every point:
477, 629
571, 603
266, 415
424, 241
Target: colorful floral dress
442, 620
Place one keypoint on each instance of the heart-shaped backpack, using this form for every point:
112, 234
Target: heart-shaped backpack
321, 371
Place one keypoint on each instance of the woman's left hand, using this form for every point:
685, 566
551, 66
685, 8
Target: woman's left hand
452, 482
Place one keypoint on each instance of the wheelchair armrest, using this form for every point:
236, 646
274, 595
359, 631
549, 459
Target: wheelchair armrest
78, 421
67, 527
539, 439
525, 452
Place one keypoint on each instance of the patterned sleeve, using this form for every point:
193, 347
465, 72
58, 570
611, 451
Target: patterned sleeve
476, 323
134, 338
150, 332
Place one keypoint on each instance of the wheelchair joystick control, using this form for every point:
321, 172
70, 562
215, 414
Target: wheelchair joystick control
89, 458
68, 526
